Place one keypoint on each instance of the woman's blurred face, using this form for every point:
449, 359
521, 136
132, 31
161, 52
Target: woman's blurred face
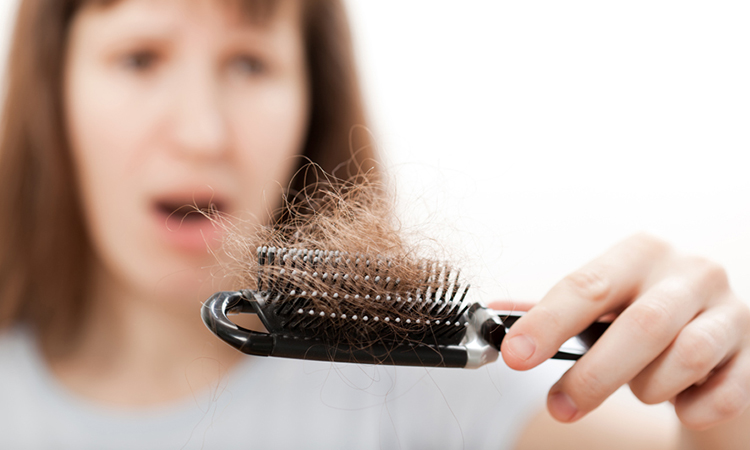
171, 103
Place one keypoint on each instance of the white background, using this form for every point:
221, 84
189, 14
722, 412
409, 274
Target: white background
546, 131
531, 136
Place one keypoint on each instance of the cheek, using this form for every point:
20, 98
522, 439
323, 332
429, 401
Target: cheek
271, 132
111, 123
102, 138
112, 126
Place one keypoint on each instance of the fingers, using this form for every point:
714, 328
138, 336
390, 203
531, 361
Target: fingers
680, 334
511, 305
712, 337
578, 300
725, 395
638, 336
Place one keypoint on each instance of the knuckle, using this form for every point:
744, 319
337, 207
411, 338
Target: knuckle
709, 272
727, 402
588, 389
742, 315
649, 243
730, 401
697, 350
650, 319
550, 318
673, 290
589, 283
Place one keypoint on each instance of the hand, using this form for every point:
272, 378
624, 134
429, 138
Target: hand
680, 334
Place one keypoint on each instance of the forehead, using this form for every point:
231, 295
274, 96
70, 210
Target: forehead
237, 12
106, 24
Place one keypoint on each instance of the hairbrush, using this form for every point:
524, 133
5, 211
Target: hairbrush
336, 306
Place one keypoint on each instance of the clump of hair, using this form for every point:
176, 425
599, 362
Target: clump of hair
338, 253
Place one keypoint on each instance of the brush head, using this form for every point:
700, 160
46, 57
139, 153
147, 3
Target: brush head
359, 300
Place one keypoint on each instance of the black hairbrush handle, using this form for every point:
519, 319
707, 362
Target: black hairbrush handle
214, 315
494, 333
282, 344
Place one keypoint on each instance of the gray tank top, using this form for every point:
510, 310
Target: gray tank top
267, 403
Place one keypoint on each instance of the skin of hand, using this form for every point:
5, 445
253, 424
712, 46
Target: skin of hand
679, 334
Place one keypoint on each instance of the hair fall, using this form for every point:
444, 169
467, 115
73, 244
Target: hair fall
345, 253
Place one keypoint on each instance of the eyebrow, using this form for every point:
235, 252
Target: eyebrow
254, 11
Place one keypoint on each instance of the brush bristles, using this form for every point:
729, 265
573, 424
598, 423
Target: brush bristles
354, 298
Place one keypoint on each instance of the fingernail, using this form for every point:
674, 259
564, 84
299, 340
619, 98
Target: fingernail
561, 406
521, 346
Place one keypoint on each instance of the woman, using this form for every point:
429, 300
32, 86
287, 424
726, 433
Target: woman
120, 112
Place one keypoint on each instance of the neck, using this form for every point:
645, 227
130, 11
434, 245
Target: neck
139, 348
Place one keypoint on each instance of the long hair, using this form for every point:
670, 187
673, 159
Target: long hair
44, 247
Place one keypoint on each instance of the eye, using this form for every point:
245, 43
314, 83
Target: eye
247, 65
141, 60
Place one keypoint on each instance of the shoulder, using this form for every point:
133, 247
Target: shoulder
16, 364
17, 380
16, 344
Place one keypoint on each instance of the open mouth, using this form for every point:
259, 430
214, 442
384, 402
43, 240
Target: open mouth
188, 212
189, 223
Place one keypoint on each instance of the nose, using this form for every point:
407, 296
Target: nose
199, 128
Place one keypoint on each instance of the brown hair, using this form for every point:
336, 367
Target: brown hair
44, 247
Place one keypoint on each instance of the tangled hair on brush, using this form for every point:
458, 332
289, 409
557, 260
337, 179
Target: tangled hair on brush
341, 257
